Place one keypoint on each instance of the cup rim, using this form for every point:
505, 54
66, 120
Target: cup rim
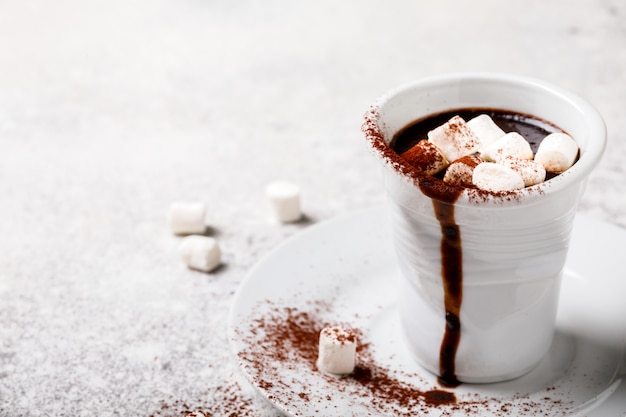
593, 151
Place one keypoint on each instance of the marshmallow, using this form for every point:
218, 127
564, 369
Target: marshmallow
460, 171
557, 152
426, 157
454, 138
200, 252
284, 198
485, 129
512, 144
186, 218
531, 172
337, 350
495, 177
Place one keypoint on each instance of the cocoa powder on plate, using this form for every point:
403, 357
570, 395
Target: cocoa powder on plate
280, 354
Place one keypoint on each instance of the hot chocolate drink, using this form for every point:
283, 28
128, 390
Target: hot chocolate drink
409, 142
531, 128
481, 213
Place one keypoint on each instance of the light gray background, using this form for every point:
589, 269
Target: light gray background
110, 110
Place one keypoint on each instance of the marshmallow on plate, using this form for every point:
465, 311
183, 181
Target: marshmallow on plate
200, 252
485, 129
557, 152
460, 171
531, 172
454, 138
337, 350
495, 177
284, 199
512, 144
186, 218
426, 157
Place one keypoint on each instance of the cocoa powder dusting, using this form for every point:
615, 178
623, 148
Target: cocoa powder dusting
221, 401
280, 354
470, 160
290, 341
425, 157
339, 334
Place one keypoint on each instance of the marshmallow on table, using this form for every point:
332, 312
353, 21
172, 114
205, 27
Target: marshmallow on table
485, 129
337, 350
426, 157
284, 199
454, 138
186, 218
460, 171
512, 144
200, 252
557, 152
491, 176
531, 172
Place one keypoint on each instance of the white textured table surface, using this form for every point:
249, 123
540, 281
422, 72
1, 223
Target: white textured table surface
111, 110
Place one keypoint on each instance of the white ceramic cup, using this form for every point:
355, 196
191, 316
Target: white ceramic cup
513, 248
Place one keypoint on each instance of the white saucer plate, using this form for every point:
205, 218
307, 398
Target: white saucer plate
343, 271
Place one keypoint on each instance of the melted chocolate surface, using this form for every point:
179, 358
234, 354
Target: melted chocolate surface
532, 128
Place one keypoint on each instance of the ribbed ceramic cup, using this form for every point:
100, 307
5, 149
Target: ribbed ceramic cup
513, 248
